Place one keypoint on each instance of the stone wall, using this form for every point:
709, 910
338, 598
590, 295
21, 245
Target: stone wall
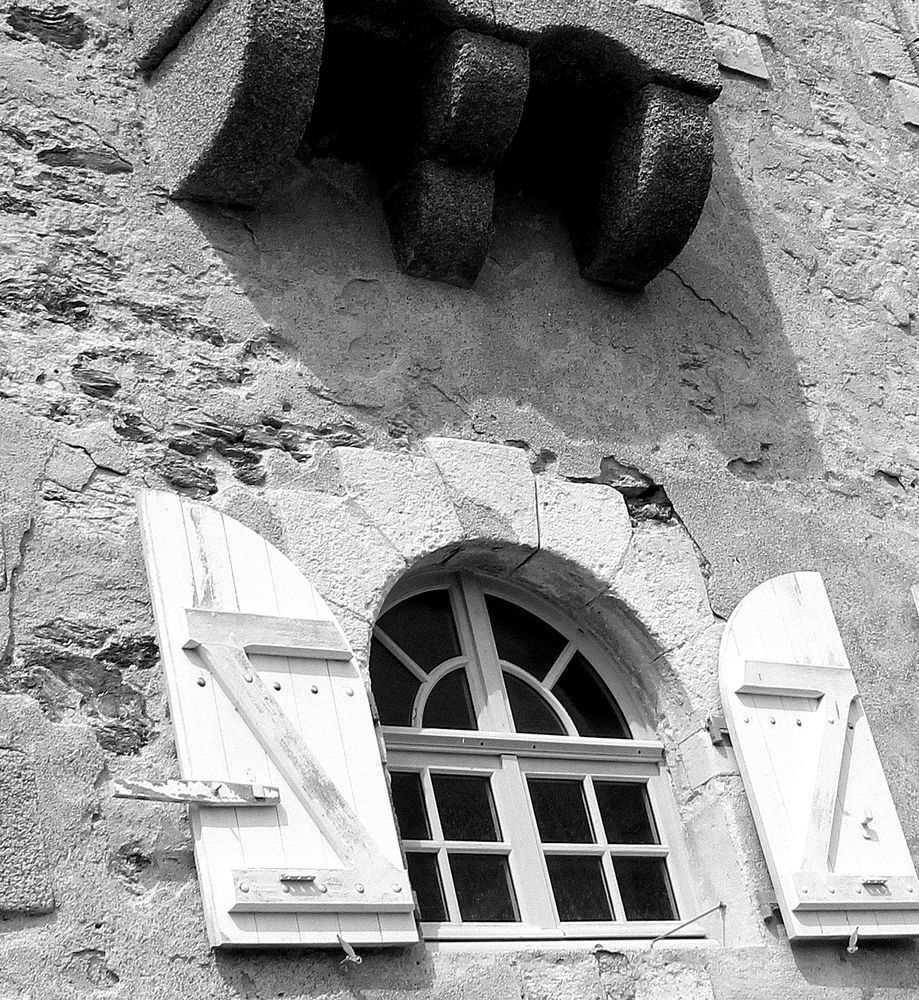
755, 406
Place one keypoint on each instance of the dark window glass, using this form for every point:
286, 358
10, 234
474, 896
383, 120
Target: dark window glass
394, 686
561, 812
408, 798
423, 626
587, 700
424, 875
626, 813
532, 713
449, 705
645, 888
465, 807
579, 888
522, 638
483, 887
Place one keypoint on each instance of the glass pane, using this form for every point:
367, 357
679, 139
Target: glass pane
588, 701
645, 888
483, 887
561, 812
626, 813
424, 874
523, 639
449, 705
579, 888
465, 807
532, 713
423, 626
394, 686
408, 798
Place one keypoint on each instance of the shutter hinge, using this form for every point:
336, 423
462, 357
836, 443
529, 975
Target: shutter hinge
768, 904
718, 730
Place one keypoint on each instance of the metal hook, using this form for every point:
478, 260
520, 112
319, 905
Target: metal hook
350, 954
685, 923
853, 942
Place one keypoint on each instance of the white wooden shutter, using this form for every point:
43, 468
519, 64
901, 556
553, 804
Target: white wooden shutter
264, 691
826, 820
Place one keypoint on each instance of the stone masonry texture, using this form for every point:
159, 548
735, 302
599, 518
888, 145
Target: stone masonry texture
754, 408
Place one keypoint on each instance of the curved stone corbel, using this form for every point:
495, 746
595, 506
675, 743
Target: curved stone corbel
439, 211
654, 178
234, 94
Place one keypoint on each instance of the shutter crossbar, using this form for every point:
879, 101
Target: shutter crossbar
231, 794
821, 891
338, 890
301, 637
307, 778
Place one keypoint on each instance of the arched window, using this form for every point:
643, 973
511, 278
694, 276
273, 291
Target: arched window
529, 803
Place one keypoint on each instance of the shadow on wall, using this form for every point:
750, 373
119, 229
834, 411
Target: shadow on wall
532, 353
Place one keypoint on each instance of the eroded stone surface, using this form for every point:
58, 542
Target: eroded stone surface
491, 487
474, 101
738, 50
584, 533
440, 221
159, 26
404, 496
234, 97
654, 176
25, 884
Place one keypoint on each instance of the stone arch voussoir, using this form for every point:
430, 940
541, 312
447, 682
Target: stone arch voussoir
459, 504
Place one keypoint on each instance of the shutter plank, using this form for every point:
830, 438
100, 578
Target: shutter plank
215, 588
170, 572
248, 559
811, 768
295, 596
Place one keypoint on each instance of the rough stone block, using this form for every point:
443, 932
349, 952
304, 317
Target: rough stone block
584, 534
661, 584
440, 221
906, 99
880, 51
652, 187
159, 26
748, 15
338, 548
491, 487
702, 761
404, 496
234, 97
684, 8
641, 44
738, 51
25, 883
475, 99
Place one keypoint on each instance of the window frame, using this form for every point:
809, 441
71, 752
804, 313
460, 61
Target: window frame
509, 757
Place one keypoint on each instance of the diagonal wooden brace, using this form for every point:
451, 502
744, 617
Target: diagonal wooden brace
835, 688
308, 780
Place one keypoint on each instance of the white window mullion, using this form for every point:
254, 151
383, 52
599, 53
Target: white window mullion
477, 689
555, 671
497, 715
437, 836
531, 881
596, 819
